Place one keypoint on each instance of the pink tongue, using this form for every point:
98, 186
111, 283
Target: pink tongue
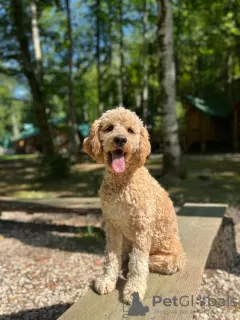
118, 162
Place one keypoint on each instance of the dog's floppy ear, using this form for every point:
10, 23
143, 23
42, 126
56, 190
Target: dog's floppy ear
92, 145
144, 147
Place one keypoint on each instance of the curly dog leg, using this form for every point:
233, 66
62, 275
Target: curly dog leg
138, 268
113, 261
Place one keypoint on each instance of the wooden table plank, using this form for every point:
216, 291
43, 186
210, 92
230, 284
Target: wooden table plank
198, 225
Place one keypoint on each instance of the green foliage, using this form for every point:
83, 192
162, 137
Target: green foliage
207, 51
13, 110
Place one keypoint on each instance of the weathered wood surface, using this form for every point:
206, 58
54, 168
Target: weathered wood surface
79, 206
198, 225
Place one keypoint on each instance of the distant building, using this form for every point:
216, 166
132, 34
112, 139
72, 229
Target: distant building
210, 121
28, 140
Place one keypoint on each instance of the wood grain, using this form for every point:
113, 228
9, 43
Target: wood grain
198, 225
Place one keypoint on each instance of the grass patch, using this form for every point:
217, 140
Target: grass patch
15, 157
91, 236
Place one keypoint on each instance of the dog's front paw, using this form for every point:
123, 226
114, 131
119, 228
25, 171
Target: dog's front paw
104, 285
134, 285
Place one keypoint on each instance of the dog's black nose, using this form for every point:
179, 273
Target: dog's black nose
120, 141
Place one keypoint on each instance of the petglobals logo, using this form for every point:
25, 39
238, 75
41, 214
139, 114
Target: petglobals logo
185, 301
166, 305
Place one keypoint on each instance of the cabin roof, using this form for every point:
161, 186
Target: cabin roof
31, 131
217, 106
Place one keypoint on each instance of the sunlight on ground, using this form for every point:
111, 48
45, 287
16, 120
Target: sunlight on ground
32, 194
210, 178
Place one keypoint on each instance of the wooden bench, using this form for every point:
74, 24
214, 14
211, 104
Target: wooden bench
198, 226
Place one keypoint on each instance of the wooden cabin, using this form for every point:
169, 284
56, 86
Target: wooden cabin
213, 121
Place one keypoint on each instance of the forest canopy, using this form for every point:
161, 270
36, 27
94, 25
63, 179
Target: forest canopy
113, 49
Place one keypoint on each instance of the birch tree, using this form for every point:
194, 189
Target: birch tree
98, 56
172, 151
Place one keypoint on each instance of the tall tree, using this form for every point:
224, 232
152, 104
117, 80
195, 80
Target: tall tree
172, 151
36, 41
72, 115
145, 62
32, 70
98, 55
15, 124
121, 55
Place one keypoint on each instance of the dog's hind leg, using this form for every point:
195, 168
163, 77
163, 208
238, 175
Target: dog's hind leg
167, 263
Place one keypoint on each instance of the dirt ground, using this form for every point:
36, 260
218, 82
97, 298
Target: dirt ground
210, 178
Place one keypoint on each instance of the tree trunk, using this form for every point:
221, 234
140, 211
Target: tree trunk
110, 54
72, 115
15, 124
98, 57
33, 72
179, 32
36, 40
121, 53
172, 151
231, 7
85, 113
145, 63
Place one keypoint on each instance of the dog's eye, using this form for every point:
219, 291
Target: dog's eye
109, 128
130, 130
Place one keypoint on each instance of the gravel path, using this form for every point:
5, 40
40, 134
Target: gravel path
221, 279
217, 287
44, 269
43, 272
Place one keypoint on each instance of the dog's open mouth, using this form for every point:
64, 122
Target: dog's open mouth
117, 160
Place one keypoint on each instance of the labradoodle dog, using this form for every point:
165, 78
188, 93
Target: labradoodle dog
140, 219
